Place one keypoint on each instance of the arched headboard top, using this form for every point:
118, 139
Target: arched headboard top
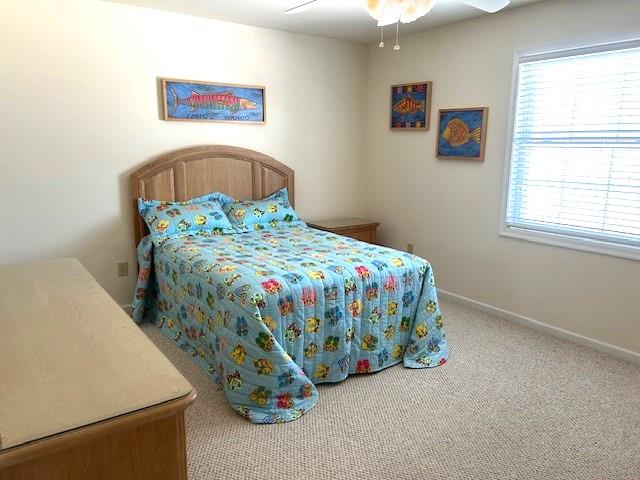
186, 173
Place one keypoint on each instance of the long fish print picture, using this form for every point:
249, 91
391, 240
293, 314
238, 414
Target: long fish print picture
203, 101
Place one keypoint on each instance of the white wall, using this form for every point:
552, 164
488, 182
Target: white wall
79, 99
450, 210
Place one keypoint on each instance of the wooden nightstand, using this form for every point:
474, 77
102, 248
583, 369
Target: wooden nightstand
357, 228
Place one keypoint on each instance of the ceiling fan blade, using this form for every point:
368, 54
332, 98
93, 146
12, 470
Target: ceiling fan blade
491, 6
300, 8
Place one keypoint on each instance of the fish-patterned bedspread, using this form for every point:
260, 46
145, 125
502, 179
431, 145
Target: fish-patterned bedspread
269, 314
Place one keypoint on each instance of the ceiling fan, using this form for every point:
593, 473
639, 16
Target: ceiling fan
490, 6
388, 12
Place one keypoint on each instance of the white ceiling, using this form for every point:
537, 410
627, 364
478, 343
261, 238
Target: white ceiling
343, 19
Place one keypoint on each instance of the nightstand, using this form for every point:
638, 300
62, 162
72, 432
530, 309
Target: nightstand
357, 228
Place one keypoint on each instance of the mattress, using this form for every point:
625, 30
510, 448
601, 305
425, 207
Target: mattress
271, 314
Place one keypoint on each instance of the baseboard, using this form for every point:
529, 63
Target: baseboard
603, 347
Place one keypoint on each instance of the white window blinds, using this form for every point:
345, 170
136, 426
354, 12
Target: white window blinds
575, 157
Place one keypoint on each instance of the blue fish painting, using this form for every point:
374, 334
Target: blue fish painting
462, 133
206, 101
411, 106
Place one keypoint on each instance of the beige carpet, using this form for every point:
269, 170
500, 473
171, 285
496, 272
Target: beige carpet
510, 404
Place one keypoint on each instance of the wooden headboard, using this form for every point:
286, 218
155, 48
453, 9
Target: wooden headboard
183, 174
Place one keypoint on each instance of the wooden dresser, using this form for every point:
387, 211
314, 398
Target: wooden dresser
357, 228
83, 392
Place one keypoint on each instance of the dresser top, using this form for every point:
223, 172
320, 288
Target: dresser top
70, 356
342, 223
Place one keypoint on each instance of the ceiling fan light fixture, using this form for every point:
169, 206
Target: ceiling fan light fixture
388, 12
389, 16
373, 7
416, 10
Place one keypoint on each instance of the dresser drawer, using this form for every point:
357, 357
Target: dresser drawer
356, 228
366, 235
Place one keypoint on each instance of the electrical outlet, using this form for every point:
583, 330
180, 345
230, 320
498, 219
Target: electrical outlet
409, 247
123, 269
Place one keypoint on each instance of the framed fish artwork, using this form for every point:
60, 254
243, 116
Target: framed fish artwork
411, 106
462, 133
190, 100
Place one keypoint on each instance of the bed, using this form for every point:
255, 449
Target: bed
269, 314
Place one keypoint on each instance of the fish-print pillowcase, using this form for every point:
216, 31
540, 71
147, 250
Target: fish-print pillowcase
167, 220
274, 211
219, 197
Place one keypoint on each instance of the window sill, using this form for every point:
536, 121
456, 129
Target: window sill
574, 243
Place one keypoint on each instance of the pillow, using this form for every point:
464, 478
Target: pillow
273, 211
177, 219
219, 197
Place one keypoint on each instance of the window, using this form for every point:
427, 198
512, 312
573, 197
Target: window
574, 173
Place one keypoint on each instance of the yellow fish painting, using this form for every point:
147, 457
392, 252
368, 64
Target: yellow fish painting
457, 133
408, 105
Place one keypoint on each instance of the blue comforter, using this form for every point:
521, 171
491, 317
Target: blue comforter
269, 314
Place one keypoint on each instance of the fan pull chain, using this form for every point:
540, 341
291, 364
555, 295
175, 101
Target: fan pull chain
381, 44
397, 45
